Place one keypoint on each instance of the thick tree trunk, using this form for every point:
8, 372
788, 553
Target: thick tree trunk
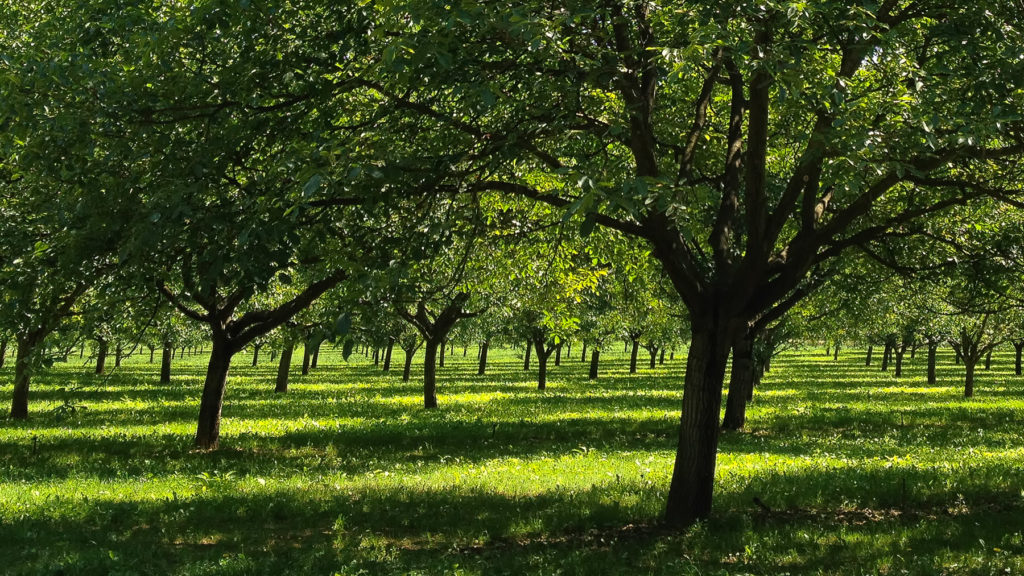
430, 372
693, 474
387, 354
595, 357
526, 361
932, 350
867, 361
307, 356
101, 357
483, 358
256, 354
969, 365
408, 364
208, 430
284, 367
165, 363
1018, 348
632, 356
741, 384
22, 376
440, 358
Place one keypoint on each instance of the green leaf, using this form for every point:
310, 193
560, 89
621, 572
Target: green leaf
312, 185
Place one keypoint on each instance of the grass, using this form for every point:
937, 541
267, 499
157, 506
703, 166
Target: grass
346, 474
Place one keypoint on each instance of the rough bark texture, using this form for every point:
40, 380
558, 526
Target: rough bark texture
208, 430
22, 376
741, 384
284, 367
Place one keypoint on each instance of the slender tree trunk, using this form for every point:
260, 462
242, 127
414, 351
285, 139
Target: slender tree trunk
957, 357
526, 361
152, 354
693, 474
654, 358
118, 354
899, 351
483, 358
886, 355
81, 351
3, 352
165, 363
440, 363
430, 358
273, 354
558, 355
661, 358
101, 357
464, 348
871, 349
1018, 348
969, 364
542, 364
632, 356
256, 354
595, 357
22, 375
988, 360
583, 355
835, 352
387, 354
932, 350
741, 383
208, 430
284, 367
376, 357
316, 355
307, 356
568, 350
913, 351
408, 364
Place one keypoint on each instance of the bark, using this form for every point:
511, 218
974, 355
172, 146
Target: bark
595, 357
284, 368
661, 358
440, 361
867, 361
1018, 348
969, 365
316, 355
307, 356
835, 351
118, 355
886, 355
932, 350
483, 358
583, 355
256, 354
430, 359
387, 354
152, 355
654, 358
558, 355
408, 364
101, 357
900, 351
741, 383
23, 375
988, 360
632, 356
376, 357
526, 361
165, 363
542, 363
208, 430
693, 474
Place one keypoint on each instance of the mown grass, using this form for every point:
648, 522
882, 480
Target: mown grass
346, 474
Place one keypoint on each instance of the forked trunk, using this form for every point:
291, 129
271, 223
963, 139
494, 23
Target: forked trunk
430, 373
741, 384
932, 350
483, 358
208, 430
595, 357
693, 474
165, 363
284, 368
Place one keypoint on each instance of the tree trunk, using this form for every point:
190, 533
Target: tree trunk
22, 376
871, 349
101, 356
387, 354
526, 361
440, 363
256, 354
118, 354
315, 360
483, 358
654, 358
899, 351
969, 364
558, 355
886, 355
693, 474
152, 355
988, 360
932, 350
284, 368
632, 356
661, 358
408, 364
307, 356
568, 350
595, 356
835, 352
741, 383
208, 430
1018, 348
957, 357
273, 354
542, 364
583, 356
165, 363
430, 358
376, 357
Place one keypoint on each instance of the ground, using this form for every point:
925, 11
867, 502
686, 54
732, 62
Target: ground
856, 472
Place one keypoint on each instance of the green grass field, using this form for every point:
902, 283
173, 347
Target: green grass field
346, 474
